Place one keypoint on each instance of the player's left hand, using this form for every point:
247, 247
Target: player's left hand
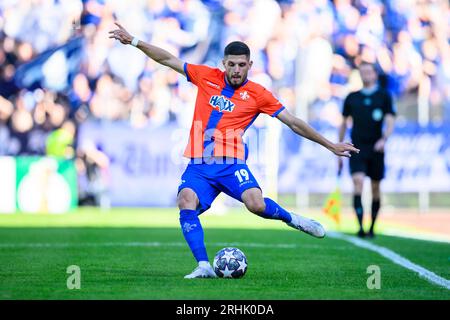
343, 149
379, 145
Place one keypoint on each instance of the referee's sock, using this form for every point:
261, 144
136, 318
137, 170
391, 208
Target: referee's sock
375, 209
357, 205
193, 233
275, 211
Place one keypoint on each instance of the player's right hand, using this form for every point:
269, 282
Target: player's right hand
120, 34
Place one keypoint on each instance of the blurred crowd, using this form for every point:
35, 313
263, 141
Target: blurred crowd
305, 50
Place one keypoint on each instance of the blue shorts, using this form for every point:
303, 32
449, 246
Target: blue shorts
208, 180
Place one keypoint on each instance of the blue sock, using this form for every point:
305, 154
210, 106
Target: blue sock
193, 233
274, 211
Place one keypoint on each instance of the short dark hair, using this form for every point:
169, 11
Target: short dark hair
237, 48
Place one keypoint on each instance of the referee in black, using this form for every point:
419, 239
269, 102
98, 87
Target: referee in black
373, 116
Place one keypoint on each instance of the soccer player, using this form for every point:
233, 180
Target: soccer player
371, 111
227, 104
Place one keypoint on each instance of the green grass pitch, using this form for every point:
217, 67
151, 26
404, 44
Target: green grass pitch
141, 254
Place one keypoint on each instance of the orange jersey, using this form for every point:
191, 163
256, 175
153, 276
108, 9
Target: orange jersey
222, 113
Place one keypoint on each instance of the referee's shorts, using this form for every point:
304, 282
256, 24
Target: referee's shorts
368, 161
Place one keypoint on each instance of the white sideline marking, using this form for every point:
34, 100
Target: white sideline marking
394, 257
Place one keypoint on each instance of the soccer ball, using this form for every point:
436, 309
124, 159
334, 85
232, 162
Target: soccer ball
230, 263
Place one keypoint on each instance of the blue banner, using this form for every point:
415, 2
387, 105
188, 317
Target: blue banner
145, 164
53, 69
417, 159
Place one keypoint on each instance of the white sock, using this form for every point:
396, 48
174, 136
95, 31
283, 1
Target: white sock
294, 219
204, 264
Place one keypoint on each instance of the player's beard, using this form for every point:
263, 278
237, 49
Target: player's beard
233, 84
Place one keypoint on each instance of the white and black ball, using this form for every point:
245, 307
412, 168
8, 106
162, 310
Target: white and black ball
230, 263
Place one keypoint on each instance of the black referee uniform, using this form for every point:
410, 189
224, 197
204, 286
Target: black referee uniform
367, 110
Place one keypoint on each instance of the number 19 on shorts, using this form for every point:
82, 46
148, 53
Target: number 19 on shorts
242, 175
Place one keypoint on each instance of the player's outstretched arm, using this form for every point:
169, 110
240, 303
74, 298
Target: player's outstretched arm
159, 55
300, 127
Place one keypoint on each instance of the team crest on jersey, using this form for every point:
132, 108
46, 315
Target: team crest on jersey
221, 103
377, 114
244, 95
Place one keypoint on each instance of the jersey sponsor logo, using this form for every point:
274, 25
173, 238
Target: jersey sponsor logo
221, 103
209, 83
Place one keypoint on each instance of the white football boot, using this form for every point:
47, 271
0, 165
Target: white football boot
202, 272
306, 225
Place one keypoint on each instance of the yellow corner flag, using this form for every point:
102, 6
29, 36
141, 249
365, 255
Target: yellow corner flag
333, 205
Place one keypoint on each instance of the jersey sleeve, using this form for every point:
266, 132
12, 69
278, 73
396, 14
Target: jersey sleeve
346, 111
389, 105
268, 104
195, 72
